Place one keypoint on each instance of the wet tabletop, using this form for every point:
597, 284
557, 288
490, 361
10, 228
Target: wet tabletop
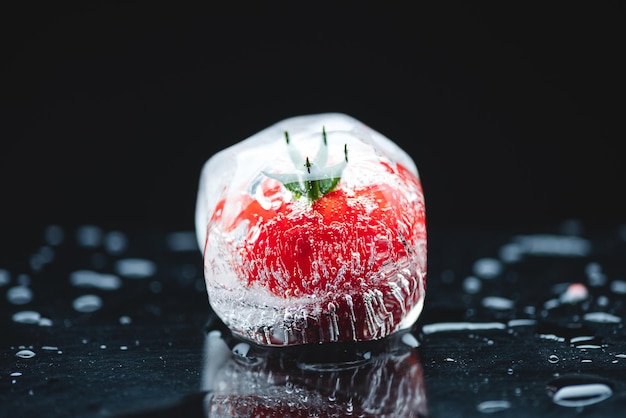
518, 321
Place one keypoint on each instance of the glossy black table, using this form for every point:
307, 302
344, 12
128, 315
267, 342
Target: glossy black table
518, 321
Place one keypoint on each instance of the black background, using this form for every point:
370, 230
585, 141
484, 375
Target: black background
514, 114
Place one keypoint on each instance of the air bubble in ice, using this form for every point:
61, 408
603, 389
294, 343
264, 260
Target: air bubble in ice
487, 268
27, 317
90, 278
135, 268
19, 295
25, 354
87, 303
489, 407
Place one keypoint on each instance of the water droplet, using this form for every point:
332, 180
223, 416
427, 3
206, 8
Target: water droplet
602, 317
135, 268
16, 374
574, 293
182, 241
19, 295
90, 278
115, 242
554, 245
619, 287
410, 340
25, 354
125, 320
578, 390
488, 407
510, 371
497, 303
553, 358
49, 348
511, 253
461, 326
89, 236
45, 322
521, 323
27, 317
5, 277
54, 235
349, 407
103, 346
123, 347
87, 303
472, 285
487, 268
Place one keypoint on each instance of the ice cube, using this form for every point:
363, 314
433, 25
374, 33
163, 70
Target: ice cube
313, 230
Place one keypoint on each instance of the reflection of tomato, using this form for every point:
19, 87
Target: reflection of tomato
336, 245
389, 384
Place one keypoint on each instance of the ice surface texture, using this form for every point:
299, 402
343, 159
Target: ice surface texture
313, 230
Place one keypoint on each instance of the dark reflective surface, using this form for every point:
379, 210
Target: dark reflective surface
111, 323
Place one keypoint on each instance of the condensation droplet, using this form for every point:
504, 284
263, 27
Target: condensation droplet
125, 320
16, 374
25, 354
553, 358
19, 295
87, 303
489, 407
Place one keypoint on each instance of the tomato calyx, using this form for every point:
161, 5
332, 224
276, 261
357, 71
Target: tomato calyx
312, 178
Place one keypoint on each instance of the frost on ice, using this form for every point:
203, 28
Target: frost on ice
313, 230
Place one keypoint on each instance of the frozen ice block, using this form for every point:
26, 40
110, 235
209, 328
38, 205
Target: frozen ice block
312, 231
